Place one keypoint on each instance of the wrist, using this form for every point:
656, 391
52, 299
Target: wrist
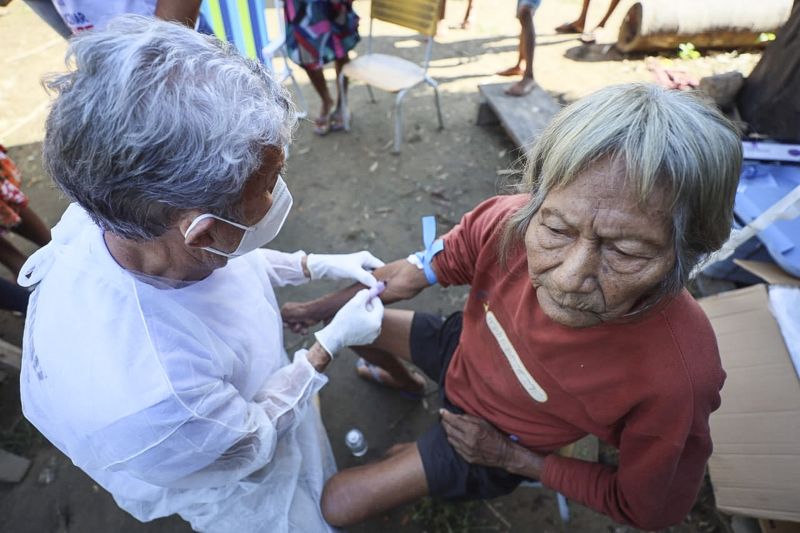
524, 462
304, 264
318, 357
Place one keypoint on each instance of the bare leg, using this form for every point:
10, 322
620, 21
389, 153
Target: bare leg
467, 22
611, 8
579, 24
528, 40
355, 494
32, 227
516, 70
12, 258
317, 77
388, 349
337, 122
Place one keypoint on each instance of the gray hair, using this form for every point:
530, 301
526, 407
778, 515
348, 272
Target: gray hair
154, 119
669, 140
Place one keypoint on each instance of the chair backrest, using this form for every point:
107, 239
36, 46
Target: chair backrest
418, 15
243, 23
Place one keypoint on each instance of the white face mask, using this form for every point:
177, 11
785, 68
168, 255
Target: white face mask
261, 232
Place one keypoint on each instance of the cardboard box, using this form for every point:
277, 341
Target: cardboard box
755, 466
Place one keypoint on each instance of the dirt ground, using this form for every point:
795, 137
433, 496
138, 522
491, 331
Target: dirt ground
350, 193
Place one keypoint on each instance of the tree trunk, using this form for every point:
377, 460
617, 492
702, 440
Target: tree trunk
770, 100
663, 24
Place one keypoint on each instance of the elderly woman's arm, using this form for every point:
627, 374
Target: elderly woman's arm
653, 487
403, 281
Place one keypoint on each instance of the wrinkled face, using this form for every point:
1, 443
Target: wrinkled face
593, 251
256, 200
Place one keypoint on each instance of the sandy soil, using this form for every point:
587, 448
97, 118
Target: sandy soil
351, 193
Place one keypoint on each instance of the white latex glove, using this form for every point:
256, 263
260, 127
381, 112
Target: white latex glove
355, 266
358, 322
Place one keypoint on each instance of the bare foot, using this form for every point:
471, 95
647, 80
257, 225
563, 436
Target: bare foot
376, 374
570, 27
522, 87
511, 71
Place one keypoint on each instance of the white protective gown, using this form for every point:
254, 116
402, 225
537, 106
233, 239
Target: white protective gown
175, 400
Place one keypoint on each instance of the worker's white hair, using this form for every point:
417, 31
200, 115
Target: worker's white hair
669, 141
154, 119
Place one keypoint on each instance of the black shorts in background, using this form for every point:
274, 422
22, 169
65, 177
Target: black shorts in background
433, 341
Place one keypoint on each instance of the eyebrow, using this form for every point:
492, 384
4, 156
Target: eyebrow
648, 241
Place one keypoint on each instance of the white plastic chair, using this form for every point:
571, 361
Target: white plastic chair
391, 73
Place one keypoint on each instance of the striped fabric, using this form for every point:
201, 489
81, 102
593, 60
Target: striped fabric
241, 22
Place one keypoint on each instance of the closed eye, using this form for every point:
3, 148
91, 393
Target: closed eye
555, 231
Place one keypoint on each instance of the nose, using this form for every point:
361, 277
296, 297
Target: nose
578, 270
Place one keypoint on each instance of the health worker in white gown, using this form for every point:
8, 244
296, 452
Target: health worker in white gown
153, 348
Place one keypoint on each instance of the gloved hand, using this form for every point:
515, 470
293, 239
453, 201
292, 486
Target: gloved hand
344, 266
357, 322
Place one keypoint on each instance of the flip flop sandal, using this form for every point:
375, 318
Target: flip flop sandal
376, 378
337, 122
322, 125
568, 27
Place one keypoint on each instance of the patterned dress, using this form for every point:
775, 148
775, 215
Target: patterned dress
12, 199
320, 31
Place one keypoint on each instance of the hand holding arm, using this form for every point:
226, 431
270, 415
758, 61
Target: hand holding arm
404, 281
357, 266
357, 323
478, 442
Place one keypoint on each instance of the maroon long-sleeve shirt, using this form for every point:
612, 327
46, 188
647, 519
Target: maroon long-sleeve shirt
647, 386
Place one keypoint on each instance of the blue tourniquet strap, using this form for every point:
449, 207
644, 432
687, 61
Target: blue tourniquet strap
432, 247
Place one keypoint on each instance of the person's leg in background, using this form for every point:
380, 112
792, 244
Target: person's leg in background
11, 257
525, 12
468, 16
322, 124
578, 24
32, 227
337, 120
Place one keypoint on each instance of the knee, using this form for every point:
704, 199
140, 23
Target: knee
524, 12
335, 503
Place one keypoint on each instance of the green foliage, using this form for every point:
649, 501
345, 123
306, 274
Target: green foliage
688, 51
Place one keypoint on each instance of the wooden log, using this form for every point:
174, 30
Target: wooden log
770, 98
663, 24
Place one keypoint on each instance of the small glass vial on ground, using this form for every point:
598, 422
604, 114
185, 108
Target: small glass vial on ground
356, 442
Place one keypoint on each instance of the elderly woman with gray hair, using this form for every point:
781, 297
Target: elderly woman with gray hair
577, 321
153, 349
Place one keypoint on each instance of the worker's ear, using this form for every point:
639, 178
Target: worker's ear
200, 235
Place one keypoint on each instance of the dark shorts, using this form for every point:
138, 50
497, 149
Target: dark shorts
433, 340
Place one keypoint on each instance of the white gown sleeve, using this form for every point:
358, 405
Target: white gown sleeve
211, 436
284, 268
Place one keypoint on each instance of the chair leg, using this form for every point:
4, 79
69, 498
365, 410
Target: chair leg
435, 86
563, 507
301, 99
345, 108
398, 121
371, 94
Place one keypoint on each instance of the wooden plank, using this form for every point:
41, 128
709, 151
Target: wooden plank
12, 467
10, 355
522, 117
